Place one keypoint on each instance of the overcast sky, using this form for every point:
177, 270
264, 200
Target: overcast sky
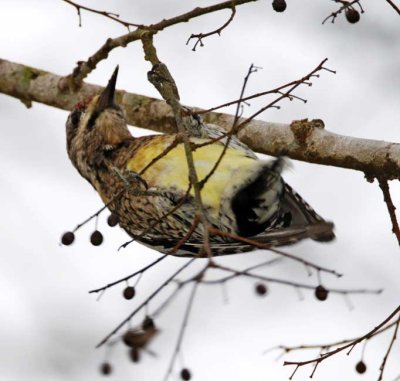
49, 324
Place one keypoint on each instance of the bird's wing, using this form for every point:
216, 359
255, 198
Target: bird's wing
302, 214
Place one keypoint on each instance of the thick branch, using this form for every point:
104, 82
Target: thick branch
302, 140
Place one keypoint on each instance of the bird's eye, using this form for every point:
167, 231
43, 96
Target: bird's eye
76, 117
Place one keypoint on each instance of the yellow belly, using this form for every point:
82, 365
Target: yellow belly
171, 171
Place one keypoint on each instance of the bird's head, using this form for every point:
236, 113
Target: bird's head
94, 125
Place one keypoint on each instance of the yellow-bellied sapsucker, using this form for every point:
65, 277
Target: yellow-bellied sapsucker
145, 182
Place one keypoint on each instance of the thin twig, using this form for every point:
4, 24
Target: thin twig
276, 90
144, 303
394, 6
251, 70
349, 346
182, 330
83, 68
91, 217
345, 5
284, 282
287, 94
259, 245
326, 346
180, 285
141, 271
234, 275
168, 300
110, 15
292, 86
201, 36
394, 336
383, 184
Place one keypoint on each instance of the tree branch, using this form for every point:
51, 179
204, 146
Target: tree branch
348, 346
85, 67
394, 6
303, 140
201, 36
110, 15
383, 184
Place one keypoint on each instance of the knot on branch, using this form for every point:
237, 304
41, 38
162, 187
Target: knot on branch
303, 128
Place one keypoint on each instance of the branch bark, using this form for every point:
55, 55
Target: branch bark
302, 140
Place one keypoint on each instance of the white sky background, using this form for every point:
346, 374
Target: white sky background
49, 325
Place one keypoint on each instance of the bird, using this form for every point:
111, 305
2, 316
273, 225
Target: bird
144, 181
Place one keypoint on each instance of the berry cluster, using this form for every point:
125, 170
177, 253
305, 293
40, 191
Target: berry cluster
96, 238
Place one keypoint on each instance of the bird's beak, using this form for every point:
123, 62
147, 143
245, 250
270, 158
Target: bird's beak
106, 98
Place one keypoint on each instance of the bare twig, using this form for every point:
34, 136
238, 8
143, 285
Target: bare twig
394, 6
141, 271
234, 275
291, 283
277, 90
383, 184
287, 93
274, 250
95, 215
201, 36
145, 302
345, 5
168, 300
394, 336
182, 330
236, 128
83, 68
326, 346
348, 346
110, 15
252, 69
77, 227
179, 285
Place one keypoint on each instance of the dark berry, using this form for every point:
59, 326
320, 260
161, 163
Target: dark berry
361, 367
352, 15
105, 368
261, 289
321, 293
67, 238
112, 220
185, 374
148, 324
134, 354
129, 292
279, 5
96, 238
